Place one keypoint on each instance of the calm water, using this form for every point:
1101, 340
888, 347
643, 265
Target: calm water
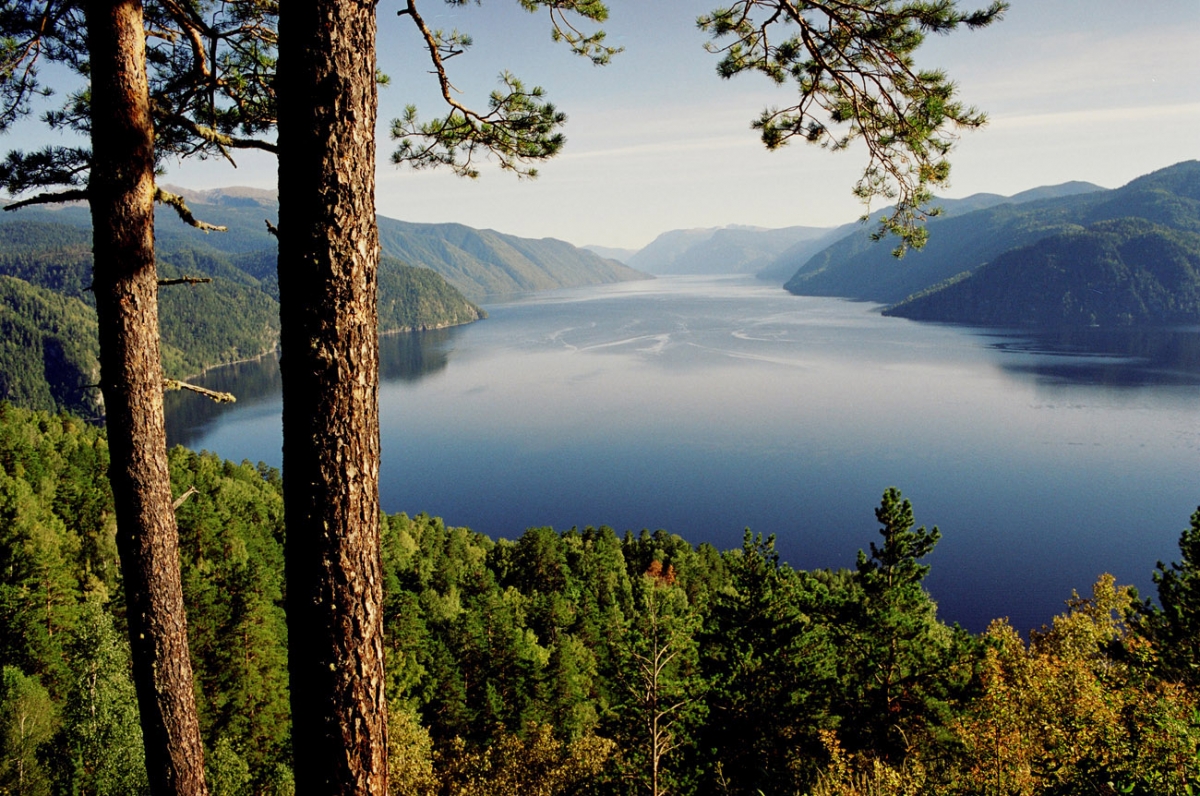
706, 406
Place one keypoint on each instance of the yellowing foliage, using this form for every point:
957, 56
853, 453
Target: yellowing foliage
1073, 712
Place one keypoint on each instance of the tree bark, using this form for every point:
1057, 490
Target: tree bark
121, 191
328, 261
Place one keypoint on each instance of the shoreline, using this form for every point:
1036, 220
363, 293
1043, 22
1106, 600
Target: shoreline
274, 348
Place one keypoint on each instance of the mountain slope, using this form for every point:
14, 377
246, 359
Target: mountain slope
48, 352
969, 233
48, 349
1121, 272
484, 263
720, 250
480, 263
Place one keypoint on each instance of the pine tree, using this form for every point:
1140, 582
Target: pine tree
893, 647
1174, 625
121, 110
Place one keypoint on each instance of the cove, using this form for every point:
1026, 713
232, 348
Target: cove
705, 406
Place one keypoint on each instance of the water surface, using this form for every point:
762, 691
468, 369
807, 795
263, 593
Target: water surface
705, 406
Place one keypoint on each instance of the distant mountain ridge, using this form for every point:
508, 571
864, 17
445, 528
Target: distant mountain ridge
720, 250
485, 263
482, 264
968, 233
48, 351
1123, 257
48, 354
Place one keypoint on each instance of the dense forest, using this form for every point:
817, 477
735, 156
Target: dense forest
1112, 273
48, 353
584, 661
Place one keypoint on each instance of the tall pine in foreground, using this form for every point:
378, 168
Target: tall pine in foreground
328, 284
134, 107
328, 265
125, 283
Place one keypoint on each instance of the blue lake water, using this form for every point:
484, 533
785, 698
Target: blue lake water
705, 406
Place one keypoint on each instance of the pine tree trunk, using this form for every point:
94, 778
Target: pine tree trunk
121, 188
328, 261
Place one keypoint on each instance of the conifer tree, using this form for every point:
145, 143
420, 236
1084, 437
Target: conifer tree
328, 274
893, 646
1174, 624
131, 117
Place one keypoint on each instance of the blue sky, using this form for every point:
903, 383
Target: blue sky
1095, 90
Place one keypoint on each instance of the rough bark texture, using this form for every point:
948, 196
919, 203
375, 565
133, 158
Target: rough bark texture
328, 261
121, 189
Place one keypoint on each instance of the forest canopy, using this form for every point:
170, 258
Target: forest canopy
528, 665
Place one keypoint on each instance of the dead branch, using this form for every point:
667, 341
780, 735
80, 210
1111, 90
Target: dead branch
183, 211
219, 397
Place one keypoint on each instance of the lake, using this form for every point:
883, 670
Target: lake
705, 406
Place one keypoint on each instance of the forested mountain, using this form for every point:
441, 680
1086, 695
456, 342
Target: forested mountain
1111, 273
480, 263
483, 262
968, 233
540, 665
721, 250
48, 349
48, 356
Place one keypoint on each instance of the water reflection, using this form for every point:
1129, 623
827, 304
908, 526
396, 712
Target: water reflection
406, 358
1117, 358
412, 356
189, 416
706, 406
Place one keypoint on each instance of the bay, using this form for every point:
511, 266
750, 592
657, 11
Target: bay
706, 406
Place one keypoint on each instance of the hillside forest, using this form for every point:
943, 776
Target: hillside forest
583, 661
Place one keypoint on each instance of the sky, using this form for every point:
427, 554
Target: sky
1095, 90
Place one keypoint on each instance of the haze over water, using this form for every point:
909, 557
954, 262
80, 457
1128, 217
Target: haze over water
704, 406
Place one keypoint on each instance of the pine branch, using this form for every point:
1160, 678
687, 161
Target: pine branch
179, 501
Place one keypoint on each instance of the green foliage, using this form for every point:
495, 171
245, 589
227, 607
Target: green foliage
771, 667
231, 551
1174, 624
519, 127
896, 657
28, 719
581, 662
416, 299
209, 65
853, 66
48, 349
100, 747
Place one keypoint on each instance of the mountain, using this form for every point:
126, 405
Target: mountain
968, 233
1122, 272
611, 252
485, 263
48, 355
480, 263
48, 349
720, 250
